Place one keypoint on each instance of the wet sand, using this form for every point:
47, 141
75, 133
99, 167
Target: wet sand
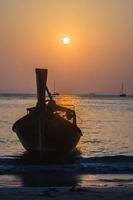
67, 193
93, 187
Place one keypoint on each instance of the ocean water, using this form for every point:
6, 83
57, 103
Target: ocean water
106, 145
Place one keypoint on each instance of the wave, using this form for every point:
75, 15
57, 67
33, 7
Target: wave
83, 165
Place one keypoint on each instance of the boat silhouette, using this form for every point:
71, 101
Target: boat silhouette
54, 92
122, 93
47, 127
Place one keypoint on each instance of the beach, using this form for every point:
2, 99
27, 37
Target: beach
34, 193
112, 187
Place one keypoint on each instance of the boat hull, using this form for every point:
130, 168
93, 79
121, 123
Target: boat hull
60, 135
123, 95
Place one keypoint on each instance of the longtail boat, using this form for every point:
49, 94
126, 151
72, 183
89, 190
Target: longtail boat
47, 127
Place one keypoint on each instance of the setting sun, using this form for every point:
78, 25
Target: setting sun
66, 40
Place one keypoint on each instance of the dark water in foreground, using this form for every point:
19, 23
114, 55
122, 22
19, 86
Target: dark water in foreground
106, 145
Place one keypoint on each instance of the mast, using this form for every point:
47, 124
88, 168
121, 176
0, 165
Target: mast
54, 87
122, 93
54, 92
122, 88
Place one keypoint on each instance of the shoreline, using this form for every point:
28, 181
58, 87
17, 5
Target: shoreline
93, 187
67, 193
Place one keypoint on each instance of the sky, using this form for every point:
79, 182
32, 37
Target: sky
98, 59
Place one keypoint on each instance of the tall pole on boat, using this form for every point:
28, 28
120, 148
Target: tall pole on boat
41, 80
54, 87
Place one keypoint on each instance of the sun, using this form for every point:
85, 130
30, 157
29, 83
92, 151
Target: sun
66, 40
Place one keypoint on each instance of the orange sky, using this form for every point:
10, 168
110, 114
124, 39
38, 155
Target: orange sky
98, 59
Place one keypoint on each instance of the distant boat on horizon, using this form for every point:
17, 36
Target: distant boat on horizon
55, 93
92, 94
122, 93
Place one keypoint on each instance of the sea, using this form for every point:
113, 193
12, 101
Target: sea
106, 146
